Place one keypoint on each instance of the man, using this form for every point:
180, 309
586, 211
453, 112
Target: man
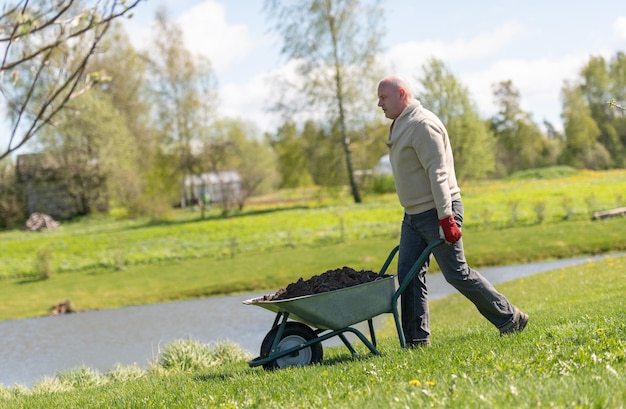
423, 170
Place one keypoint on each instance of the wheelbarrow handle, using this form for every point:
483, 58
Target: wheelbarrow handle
385, 266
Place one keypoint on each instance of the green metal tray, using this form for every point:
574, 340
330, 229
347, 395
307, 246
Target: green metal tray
337, 309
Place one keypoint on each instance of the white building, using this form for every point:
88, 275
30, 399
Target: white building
215, 187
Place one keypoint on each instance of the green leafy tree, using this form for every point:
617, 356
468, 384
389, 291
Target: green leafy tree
254, 160
470, 137
234, 145
325, 161
600, 82
333, 43
91, 147
11, 196
46, 47
291, 158
520, 142
582, 148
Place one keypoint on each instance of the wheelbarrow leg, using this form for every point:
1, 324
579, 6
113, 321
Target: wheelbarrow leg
347, 343
370, 324
363, 339
340, 333
281, 329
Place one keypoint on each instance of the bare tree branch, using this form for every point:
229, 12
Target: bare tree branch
47, 47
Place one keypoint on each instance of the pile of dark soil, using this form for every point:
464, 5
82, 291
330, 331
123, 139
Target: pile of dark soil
329, 281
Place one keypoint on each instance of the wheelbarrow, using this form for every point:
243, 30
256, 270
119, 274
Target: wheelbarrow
302, 323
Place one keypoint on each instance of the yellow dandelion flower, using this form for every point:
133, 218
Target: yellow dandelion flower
415, 382
431, 383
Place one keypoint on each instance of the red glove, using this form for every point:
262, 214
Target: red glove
450, 230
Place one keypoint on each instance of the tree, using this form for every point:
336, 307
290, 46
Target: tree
46, 49
184, 93
126, 88
234, 145
11, 196
333, 43
92, 149
254, 160
601, 81
471, 139
582, 149
325, 162
291, 157
519, 141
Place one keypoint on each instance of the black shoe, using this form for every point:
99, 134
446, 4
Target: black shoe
418, 343
520, 319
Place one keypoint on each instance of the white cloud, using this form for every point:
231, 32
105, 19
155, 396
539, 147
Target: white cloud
542, 77
407, 58
207, 32
619, 27
252, 100
249, 101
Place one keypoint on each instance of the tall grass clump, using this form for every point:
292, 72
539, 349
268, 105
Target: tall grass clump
44, 263
81, 378
187, 355
125, 373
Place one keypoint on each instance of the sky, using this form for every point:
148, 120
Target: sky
537, 44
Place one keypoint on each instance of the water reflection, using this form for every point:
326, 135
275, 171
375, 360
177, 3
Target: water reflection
38, 347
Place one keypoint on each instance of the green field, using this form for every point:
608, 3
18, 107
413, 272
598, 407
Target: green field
103, 262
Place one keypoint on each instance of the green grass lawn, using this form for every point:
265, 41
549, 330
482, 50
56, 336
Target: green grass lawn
572, 355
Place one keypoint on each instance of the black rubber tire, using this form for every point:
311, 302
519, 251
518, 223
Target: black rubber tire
295, 333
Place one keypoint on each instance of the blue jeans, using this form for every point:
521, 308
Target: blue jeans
417, 232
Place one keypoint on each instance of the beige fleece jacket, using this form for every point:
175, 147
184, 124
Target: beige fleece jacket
422, 162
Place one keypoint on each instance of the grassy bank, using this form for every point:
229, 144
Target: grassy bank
572, 354
260, 271
104, 262
98, 243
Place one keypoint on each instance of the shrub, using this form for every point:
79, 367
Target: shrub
383, 184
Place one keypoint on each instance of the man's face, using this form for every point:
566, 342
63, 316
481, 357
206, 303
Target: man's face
391, 100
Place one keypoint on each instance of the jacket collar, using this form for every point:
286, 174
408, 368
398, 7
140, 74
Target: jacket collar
412, 107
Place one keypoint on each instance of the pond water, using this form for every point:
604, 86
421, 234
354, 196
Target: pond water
37, 347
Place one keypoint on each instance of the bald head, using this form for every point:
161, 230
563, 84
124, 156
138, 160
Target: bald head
394, 95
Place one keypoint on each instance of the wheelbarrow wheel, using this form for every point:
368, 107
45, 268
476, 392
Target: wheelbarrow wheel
295, 334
